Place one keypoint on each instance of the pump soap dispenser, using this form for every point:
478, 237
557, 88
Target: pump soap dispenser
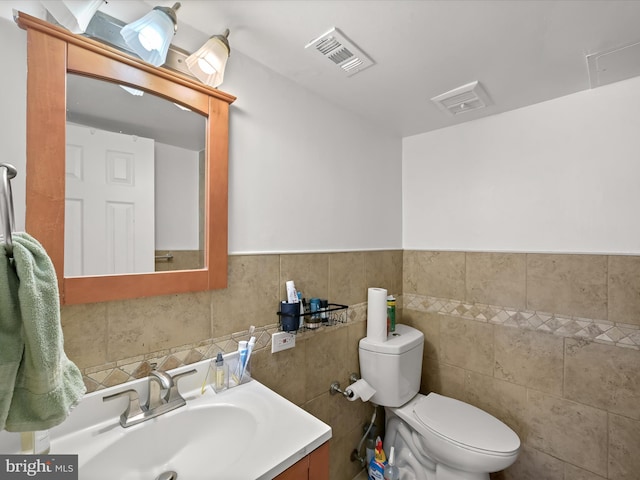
222, 374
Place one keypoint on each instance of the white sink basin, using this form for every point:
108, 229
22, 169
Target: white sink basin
246, 432
184, 442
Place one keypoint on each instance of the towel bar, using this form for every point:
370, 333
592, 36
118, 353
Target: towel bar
6, 205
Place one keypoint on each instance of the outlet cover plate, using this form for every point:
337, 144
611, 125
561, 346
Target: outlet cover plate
282, 341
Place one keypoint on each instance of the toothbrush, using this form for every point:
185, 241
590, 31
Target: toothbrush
204, 383
237, 375
242, 357
252, 342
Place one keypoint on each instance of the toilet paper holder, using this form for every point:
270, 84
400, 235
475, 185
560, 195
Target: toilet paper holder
335, 386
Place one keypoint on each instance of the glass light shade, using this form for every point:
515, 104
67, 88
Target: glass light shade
74, 15
207, 64
150, 36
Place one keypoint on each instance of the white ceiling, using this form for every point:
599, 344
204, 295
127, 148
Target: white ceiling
522, 52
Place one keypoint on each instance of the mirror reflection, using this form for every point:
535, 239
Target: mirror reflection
134, 188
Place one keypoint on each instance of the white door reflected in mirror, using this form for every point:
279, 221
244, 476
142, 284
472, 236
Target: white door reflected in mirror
109, 203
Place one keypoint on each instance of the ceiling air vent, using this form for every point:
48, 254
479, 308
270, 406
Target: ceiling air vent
462, 99
335, 46
614, 65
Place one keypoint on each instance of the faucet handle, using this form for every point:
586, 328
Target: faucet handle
133, 408
174, 394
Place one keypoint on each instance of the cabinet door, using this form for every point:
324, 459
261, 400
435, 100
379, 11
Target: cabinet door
314, 466
297, 471
319, 463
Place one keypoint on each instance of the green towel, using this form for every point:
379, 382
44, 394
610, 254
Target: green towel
38, 383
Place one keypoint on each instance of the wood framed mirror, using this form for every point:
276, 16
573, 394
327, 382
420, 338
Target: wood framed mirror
53, 54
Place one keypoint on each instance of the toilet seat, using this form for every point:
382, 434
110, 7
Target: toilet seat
465, 425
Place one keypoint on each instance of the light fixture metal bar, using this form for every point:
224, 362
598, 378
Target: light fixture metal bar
106, 29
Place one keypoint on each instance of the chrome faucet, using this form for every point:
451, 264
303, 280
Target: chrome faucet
162, 399
158, 396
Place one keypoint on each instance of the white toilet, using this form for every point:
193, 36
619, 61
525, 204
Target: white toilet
435, 437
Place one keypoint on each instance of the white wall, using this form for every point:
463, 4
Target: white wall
177, 198
304, 175
559, 176
13, 101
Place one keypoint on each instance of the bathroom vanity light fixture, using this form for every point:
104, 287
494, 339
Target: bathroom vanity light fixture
73, 15
149, 37
207, 63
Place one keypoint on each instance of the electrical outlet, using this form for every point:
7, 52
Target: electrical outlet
282, 341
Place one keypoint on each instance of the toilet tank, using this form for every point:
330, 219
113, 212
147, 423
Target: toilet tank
393, 368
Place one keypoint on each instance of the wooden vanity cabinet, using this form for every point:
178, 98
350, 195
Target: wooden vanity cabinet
314, 466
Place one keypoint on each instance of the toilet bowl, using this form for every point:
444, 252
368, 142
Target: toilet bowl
450, 439
434, 437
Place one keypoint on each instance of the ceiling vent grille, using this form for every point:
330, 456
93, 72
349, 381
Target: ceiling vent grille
335, 46
463, 99
614, 65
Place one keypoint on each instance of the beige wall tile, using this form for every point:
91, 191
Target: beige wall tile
85, 333
383, 269
596, 375
342, 415
347, 283
603, 376
251, 297
149, 324
624, 446
467, 344
437, 274
430, 380
575, 473
355, 332
529, 358
309, 271
624, 289
451, 381
505, 401
282, 372
341, 467
568, 430
326, 360
532, 464
429, 324
496, 279
568, 284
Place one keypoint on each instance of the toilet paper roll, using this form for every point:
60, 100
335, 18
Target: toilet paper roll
377, 315
361, 389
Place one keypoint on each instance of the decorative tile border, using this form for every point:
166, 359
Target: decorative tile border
601, 331
125, 370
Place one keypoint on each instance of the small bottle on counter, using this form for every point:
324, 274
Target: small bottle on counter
222, 374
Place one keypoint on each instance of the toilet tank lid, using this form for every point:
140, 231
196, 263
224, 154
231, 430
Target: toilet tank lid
405, 338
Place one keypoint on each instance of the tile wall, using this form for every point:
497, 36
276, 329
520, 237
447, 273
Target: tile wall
114, 342
548, 343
